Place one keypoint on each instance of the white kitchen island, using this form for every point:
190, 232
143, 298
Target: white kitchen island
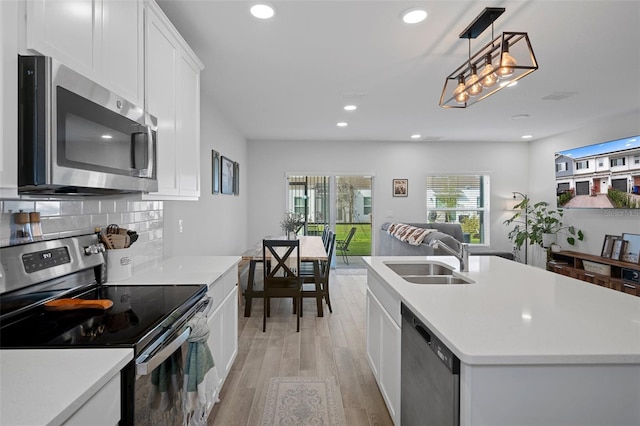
536, 348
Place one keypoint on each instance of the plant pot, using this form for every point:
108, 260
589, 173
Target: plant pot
291, 235
548, 239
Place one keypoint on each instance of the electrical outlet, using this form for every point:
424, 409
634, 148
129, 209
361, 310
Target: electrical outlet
179, 226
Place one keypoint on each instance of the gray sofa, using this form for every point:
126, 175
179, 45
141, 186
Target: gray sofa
448, 233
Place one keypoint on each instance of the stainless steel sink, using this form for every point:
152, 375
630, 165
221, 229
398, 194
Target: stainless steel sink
435, 279
425, 268
427, 273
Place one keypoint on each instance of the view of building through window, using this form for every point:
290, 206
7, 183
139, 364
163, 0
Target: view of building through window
341, 202
462, 199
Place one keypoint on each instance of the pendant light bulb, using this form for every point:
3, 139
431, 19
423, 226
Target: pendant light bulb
489, 77
459, 94
507, 62
475, 87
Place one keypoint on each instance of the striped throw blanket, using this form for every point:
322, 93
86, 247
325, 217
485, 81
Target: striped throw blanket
408, 234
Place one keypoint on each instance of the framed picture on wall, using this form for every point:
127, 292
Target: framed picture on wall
236, 178
631, 251
226, 175
215, 172
400, 187
618, 248
607, 246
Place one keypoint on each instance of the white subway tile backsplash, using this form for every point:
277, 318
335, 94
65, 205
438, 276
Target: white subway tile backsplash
16, 206
90, 208
67, 218
48, 208
122, 206
70, 208
107, 206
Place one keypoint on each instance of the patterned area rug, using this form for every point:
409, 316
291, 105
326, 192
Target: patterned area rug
303, 401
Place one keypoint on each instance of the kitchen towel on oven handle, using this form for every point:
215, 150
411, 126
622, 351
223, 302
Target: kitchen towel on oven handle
201, 379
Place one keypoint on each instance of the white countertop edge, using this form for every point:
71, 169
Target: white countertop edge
491, 359
55, 379
180, 270
95, 387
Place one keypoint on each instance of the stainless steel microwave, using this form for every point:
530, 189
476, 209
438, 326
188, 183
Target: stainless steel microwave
76, 137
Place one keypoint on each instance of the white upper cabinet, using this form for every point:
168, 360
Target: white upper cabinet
172, 88
102, 39
8, 100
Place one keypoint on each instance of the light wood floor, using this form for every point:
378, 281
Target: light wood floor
333, 345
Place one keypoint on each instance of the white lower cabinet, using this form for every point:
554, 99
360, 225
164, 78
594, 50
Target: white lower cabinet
102, 409
383, 353
223, 322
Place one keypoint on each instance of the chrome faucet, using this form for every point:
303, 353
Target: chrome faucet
462, 254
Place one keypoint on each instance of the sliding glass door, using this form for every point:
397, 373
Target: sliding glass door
344, 203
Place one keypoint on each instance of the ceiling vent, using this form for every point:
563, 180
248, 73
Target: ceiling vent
558, 96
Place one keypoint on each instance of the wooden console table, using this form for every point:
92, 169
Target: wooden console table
571, 263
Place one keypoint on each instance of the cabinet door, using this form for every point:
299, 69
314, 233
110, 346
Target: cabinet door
383, 352
230, 330
390, 365
373, 334
160, 92
8, 100
215, 340
65, 31
122, 60
188, 126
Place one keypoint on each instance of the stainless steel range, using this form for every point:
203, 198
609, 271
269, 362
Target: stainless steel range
149, 319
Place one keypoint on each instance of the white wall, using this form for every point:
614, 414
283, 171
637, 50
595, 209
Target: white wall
268, 162
215, 224
596, 223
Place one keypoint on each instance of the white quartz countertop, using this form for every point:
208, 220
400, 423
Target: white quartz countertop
182, 270
519, 314
46, 386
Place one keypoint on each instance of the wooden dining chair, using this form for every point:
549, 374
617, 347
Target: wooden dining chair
281, 274
319, 289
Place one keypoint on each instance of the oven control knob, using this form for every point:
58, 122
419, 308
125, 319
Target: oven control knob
94, 249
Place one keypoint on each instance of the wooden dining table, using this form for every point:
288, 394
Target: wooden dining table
311, 250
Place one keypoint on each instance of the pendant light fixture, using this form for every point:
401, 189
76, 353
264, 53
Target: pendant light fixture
508, 58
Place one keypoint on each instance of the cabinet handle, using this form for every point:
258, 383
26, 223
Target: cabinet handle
629, 286
588, 275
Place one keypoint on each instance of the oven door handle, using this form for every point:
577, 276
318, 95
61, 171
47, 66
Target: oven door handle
147, 367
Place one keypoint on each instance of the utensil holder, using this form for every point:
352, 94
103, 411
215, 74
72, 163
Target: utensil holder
118, 264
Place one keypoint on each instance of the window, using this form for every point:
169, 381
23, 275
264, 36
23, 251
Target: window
561, 167
462, 199
601, 163
636, 159
582, 164
618, 161
299, 205
366, 205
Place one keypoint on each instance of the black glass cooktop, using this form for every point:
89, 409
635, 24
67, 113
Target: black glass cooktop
138, 315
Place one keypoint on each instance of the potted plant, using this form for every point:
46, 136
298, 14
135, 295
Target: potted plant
291, 224
540, 225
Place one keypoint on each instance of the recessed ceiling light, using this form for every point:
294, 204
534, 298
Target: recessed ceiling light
342, 124
414, 16
527, 136
416, 136
350, 107
262, 11
107, 137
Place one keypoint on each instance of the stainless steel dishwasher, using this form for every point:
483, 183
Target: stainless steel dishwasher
430, 377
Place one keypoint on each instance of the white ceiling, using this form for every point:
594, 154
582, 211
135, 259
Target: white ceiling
286, 78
